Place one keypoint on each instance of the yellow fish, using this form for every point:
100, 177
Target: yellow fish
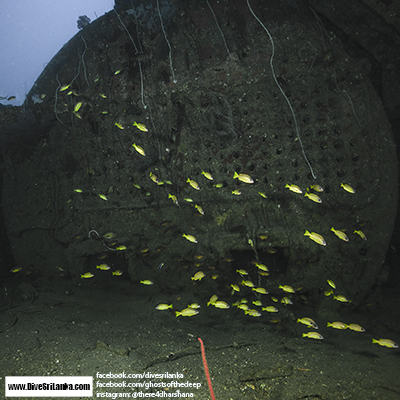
242, 271
285, 300
361, 234
313, 197
154, 178
293, 188
194, 305
287, 289
77, 107
16, 269
243, 177
316, 238
219, 185
87, 275
248, 283
117, 272
191, 238
347, 188
341, 298
236, 192
118, 125
235, 288
313, 335
212, 300
259, 290
78, 190
257, 303
64, 87
220, 304
139, 149
173, 198
198, 276
117, 72
207, 175
337, 325
187, 312
252, 313
140, 126
146, 282
163, 306
199, 209
317, 188
340, 234
386, 343
263, 267
193, 184
270, 309
356, 328
103, 267
103, 197
262, 194
120, 248
308, 322
331, 283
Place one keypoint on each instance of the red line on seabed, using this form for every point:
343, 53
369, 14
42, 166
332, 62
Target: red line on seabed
203, 355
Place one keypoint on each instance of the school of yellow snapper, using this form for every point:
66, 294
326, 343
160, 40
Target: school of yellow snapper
258, 303
263, 305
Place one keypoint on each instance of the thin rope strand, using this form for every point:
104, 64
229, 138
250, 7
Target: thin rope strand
280, 88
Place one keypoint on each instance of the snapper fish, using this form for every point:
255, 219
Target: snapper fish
140, 126
317, 238
347, 188
314, 197
191, 238
163, 306
220, 304
207, 175
139, 149
340, 234
103, 267
270, 309
193, 184
337, 325
386, 343
198, 276
317, 188
313, 335
243, 177
356, 328
294, 188
361, 234
186, 312
308, 322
